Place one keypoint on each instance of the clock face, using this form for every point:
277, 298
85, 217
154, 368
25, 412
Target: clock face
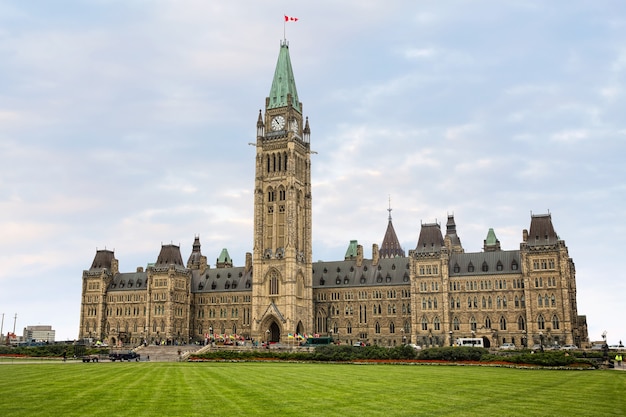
293, 125
278, 123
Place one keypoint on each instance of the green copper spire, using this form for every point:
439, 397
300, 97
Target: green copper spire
284, 83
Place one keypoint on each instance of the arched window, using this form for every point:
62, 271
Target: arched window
392, 328
521, 324
473, 325
502, 323
377, 327
489, 302
555, 322
485, 267
539, 300
541, 323
273, 283
553, 301
455, 323
424, 323
488, 323
452, 303
437, 323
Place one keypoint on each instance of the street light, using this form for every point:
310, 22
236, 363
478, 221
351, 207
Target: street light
450, 332
403, 336
541, 341
524, 340
211, 335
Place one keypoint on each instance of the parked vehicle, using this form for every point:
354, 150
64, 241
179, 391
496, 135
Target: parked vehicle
507, 346
90, 358
127, 356
470, 342
414, 346
569, 347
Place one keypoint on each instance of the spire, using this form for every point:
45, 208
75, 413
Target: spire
283, 91
492, 243
454, 241
390, 248
224, 260
195, 259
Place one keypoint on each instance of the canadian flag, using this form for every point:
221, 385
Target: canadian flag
290, 19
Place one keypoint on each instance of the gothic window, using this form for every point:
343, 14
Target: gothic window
437, 323
392, 328
523, 301
456, 325
424, 323
349, 328
514, 265
499, 266
470, 267
458, 302
475, 302
452, 303
541, 323
484, 302
504, 302
489, 303
473, 325
539, 301
553, 301
469, 302
274, 283
377, 327
502, 323
516, 301
488, 323
521, 324
546, 302
555, 322
485, 267
499, 302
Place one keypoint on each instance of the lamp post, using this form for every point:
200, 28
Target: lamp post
450, 332
211, 335
541, 341
524, 340
267, 338
403, 336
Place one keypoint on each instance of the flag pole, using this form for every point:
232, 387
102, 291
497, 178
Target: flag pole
285, 28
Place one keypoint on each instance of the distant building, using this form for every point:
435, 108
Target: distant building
38, 334
433, 296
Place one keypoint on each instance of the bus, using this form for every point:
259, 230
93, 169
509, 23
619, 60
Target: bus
318, 341
470, 342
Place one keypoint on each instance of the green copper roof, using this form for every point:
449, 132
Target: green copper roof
352, 249
224, 257
491, 238
284, 83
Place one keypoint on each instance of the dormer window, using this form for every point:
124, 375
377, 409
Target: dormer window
470, 267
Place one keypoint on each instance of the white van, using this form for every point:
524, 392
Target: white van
470, 342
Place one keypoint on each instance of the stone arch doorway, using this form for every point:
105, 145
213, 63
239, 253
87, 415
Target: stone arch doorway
486, 342
299, 328
273, 333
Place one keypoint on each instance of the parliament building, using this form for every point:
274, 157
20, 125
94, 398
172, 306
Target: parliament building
430, 297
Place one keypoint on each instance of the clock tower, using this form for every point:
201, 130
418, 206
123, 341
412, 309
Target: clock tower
282, 295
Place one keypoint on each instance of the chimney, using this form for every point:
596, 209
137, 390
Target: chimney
375, 254
248, 261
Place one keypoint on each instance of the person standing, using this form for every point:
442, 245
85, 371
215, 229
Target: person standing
618, 359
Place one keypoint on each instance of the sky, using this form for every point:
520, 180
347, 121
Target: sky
125, 125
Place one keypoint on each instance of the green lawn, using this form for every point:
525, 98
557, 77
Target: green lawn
284, 389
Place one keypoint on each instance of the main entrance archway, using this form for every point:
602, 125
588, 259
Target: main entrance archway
274, 333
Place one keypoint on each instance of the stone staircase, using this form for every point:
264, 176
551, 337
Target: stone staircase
155, 353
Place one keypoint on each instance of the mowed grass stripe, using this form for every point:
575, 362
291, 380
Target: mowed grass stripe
270, 389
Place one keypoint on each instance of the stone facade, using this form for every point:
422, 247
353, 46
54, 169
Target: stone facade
433, 296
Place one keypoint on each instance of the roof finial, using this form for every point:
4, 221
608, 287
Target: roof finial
389, 209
